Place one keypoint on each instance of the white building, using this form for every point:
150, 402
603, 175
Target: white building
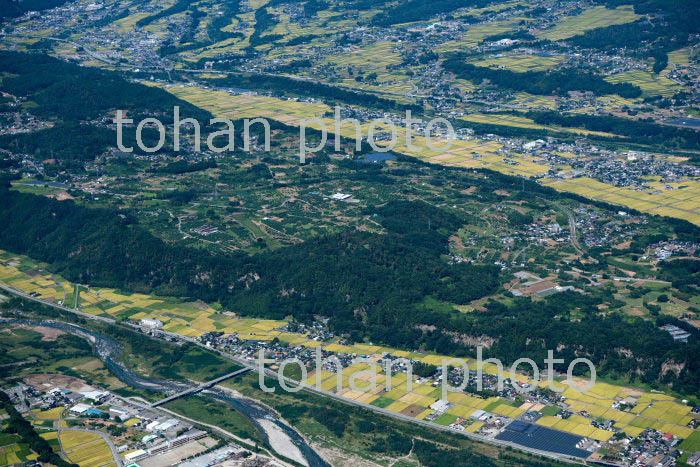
119, 412
97, 396
166, 425
440, 406
152, 425
151, 323
80, 409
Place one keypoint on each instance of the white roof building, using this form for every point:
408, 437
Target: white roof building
80, 408
135, 455
440, 406
152, 425
166, 425
119, 412
95, 395
151, 323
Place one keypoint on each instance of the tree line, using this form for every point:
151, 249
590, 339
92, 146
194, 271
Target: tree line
539, 82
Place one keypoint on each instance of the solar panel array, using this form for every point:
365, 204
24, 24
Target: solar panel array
543, 439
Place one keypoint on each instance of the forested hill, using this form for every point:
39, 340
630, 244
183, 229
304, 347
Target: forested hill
15, 8
70, 93
539, 82
368, 284
81, 102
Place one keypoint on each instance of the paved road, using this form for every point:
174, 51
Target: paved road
292, 383
572, 228
55, 305
632, 279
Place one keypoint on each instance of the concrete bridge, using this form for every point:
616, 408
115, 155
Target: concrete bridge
201, 387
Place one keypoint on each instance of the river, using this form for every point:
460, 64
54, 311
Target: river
109, 349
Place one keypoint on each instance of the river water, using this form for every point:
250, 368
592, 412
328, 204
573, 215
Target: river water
109, 350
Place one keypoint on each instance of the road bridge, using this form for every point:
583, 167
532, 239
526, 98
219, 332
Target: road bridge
201, 387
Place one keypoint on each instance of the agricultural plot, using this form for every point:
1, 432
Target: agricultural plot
530, 101
387, 84
51, 414
521, 63
651, 84
86, 449
597, 17
375, 57
128, 23
16, 453
646, 201
472, 153
692, 443
495, 8
576, 425
524, 122
71, 439
234, 107
608, 103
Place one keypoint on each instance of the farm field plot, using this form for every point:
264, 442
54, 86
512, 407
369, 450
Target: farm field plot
579, 426
51, 414
491, 8
375, 57
86, 449
387, 84
128, 23
645, 201
609, 103
678, 58
16, 453
651, 85
521, 63
597, 17
524, 122
233, 107
71, 439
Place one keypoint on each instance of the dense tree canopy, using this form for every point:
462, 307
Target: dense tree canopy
539, 82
